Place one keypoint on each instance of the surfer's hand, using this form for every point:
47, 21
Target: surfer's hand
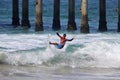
73, 37
57, 33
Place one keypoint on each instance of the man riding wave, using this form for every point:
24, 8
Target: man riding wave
63, 40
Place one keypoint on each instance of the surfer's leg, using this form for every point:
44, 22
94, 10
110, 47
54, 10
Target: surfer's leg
53, 43
59, 46
56, 45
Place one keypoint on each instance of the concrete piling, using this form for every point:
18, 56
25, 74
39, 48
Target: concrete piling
84, 20
25, 14
102, 16
39, 22
56, 15
15, 13
71, 16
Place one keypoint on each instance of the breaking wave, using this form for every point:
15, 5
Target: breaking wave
85, 51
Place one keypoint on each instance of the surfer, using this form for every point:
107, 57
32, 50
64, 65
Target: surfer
63, 40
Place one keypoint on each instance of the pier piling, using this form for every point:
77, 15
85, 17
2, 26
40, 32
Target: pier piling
25, 13
84, 21
56, 15
15, 13
102, 16
71, 15
39, 22
118, 16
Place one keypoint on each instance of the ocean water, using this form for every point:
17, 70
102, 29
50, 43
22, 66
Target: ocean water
26, 55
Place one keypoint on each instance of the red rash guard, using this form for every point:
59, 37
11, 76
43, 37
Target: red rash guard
62, 40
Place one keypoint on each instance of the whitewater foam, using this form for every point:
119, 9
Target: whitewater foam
90, 50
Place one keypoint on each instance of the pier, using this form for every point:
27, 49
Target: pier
56, 24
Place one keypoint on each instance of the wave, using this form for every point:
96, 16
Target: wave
90, 50
102, 54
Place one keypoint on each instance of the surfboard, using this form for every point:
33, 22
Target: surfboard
48, 41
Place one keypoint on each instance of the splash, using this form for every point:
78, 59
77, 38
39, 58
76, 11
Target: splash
92, 50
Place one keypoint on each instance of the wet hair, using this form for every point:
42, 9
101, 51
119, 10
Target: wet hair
64, 35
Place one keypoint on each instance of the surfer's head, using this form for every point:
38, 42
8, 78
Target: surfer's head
64, 35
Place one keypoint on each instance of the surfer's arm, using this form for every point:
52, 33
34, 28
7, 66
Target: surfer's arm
58, 34
70, 39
